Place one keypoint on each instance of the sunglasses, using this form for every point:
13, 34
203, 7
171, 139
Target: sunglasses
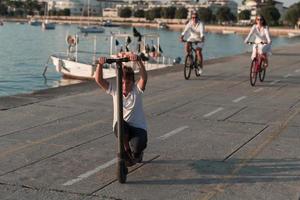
194, 17
258, 19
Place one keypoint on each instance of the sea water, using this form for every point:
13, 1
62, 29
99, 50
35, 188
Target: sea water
25, 49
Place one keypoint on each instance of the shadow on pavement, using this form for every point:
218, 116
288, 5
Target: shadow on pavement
232, 172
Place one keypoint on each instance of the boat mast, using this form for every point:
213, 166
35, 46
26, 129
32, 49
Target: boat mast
88, 12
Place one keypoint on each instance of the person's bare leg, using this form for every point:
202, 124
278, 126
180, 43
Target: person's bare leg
266, 60
199, 56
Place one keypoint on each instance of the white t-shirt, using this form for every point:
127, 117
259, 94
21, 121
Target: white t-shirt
261, 35
195, 32
133, 112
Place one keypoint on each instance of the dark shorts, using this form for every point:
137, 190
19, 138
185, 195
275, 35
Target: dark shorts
137, 138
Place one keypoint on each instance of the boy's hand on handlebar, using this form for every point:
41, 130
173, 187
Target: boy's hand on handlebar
134, 57
102, 60
130, 55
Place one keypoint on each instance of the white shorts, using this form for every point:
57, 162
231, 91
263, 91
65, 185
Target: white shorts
197, 45
262, 48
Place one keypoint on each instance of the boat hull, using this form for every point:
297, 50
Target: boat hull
92, 30
48, 26
77, 70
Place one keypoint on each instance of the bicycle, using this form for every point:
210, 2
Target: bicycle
191, 62
256, 65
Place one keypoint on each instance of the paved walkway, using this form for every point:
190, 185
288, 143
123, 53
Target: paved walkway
213, 137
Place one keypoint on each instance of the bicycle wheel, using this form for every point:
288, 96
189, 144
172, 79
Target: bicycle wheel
198, 65
262, 71
253, 72
188, 65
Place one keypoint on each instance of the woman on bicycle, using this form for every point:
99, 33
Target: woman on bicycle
195, 31
262, 36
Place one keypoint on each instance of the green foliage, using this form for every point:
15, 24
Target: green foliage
293, 14
52, 12
153, 13
139, 13
181, 13
168, 12
245, 15
271, 14
3, 9
64, 12
205, 14
224, 14
125, 12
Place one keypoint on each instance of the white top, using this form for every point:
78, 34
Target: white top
196, 32
133, 112
261, 35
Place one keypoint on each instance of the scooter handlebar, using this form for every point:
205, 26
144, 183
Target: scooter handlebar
115, 60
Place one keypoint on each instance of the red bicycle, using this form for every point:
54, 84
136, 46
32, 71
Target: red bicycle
257, 66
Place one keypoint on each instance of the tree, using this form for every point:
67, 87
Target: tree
245, 15
181, 13
64, 12
125, 12
153, 13
224, 14
3, 9
168, 12
205, 14
139, 13
271, 14
293, 14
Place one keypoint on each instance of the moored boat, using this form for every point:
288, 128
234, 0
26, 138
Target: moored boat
71, 65
292, 34
91, 29
34, 22
46, 25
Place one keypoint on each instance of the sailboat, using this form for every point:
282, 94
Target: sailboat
46, 25
89, 28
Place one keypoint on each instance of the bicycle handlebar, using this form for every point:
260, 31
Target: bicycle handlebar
195, 42
256, 43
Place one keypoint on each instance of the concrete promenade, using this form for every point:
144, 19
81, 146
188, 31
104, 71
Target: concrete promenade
211, 137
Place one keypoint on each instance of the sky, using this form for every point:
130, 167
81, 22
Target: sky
286, 3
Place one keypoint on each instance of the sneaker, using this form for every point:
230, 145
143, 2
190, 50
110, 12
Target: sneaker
129, 161
200, 70
139, 158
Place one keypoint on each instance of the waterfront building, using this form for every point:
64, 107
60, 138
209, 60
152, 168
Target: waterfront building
214, 5
77, 7
254, 5
110, 12
108, 7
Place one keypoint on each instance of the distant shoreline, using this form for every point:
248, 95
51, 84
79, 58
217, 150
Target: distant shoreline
172, 24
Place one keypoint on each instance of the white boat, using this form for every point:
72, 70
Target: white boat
108, 23
92, 29
291, 34
162, 25
228, 32
46, 25
34, 22
71, 66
